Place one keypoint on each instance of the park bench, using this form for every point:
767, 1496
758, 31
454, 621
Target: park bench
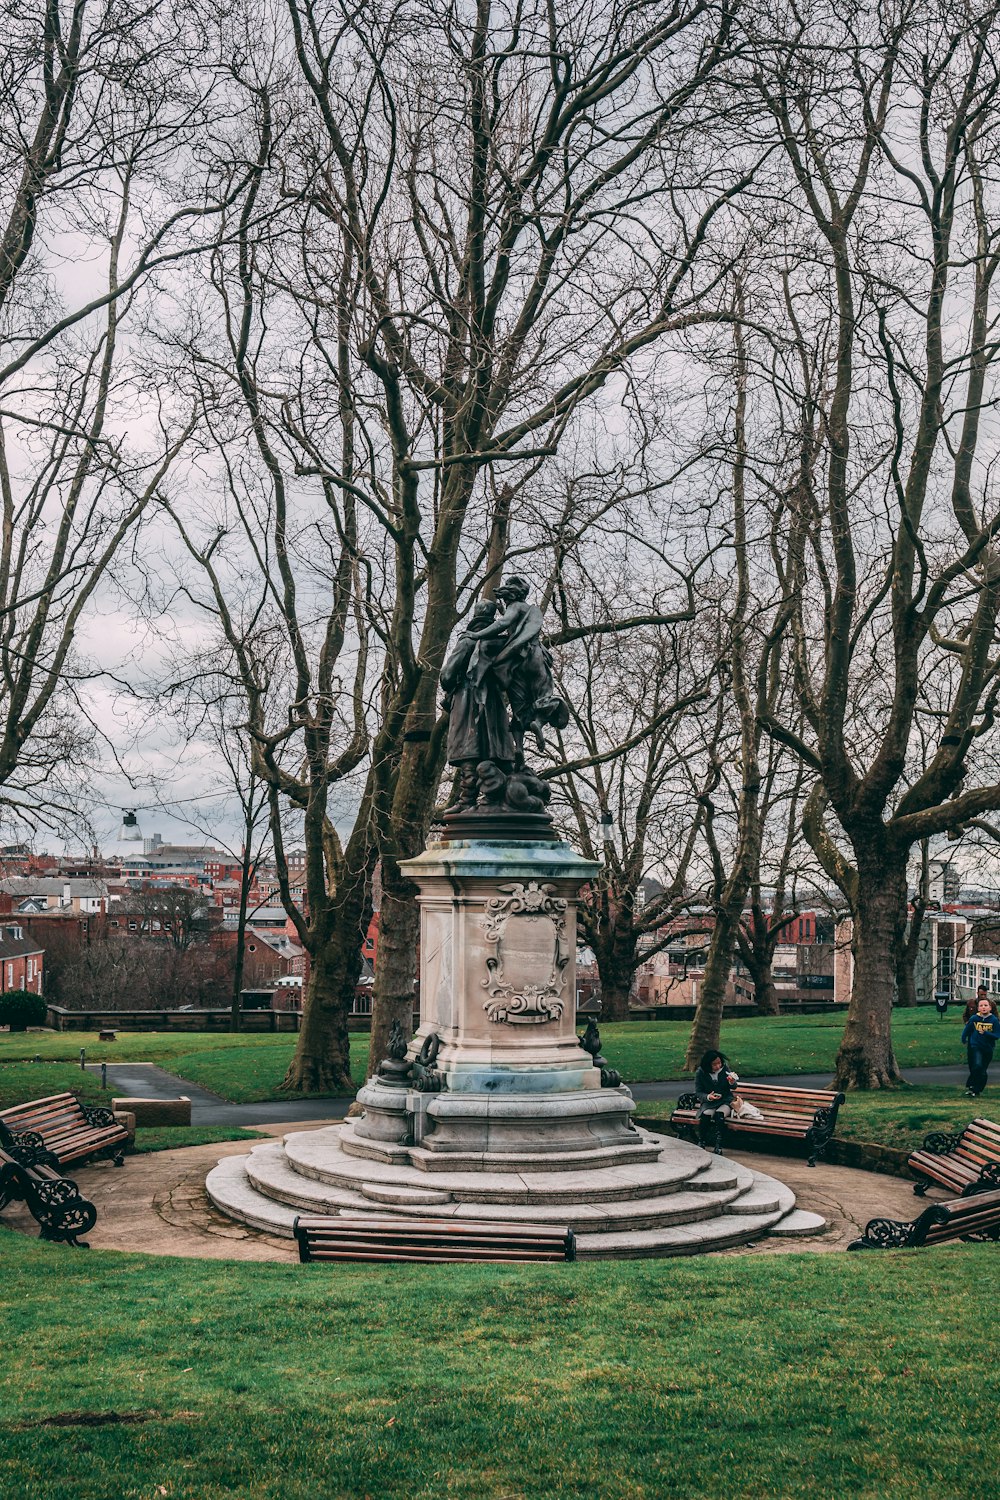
974, 1216
54, 1202
71, 1131
807, 1115
956, 1162
361, 1237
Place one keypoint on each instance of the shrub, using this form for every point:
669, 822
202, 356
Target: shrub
20, 1009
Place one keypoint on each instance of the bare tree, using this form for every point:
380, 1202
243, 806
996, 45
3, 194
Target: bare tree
107, 179
449, 189
888, 126
209, 708
637, 703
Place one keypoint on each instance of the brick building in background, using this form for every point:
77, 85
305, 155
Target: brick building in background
22, 960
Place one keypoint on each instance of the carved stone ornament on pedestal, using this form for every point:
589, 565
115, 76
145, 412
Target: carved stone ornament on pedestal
525, 925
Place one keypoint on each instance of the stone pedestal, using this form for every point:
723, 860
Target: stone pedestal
498, 988
498, 965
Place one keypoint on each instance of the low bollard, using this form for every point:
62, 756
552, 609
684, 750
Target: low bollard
83, 1059
104, 1075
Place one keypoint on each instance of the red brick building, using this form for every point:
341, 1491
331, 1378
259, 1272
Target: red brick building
22, 961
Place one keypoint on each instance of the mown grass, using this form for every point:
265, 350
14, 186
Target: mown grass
795, 1375
903, 1116
27, 1080
775, 1045
172, 1137
898, 1117
242, 1069
246, 1069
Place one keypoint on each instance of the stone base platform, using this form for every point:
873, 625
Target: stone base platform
655, 1197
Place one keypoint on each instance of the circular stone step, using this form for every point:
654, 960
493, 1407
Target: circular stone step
327, 1156
719, 1205
800, 1221
389, 1192
273, 1176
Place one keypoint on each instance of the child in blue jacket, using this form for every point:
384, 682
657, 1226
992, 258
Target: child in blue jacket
980, 1036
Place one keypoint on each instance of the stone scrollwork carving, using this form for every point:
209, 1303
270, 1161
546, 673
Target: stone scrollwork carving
525, 998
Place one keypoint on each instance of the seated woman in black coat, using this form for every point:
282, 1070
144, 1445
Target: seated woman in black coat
716, 1085
715, 1092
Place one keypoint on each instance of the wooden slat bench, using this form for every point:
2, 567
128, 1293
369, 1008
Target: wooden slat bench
956, 1162
807, 1115
72, 1131
975, 1216
54, 1202
361, 1237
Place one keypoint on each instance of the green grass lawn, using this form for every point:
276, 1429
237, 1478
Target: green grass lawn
895, 1117
768, 1045
243, 1069
792, 1375
171, 1137
22, 1081
246, 1069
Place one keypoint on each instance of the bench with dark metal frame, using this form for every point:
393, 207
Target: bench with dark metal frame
71, 1131
54, 1202
974, 1216
956, 1162
347, 1237
807, 1115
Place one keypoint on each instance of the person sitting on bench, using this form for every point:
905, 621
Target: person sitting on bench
715, 1093
715, 1083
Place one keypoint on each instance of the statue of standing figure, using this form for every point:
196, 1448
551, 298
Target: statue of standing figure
500, 663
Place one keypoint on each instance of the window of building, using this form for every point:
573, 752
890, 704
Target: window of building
133, 927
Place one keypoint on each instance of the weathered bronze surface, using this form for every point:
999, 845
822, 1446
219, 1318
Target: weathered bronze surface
498, 685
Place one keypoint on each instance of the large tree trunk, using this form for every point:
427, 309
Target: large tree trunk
616, 966
865, 1059
909, 950
765, 991
906, 985
706, 1029
322, 1061
756, 948
406, 821
396, 976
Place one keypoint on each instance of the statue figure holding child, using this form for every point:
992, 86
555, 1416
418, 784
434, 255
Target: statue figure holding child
498, 684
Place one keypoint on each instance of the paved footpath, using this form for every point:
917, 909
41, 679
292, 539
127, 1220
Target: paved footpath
146, 1081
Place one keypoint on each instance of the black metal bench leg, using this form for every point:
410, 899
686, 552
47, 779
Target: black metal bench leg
920, 1189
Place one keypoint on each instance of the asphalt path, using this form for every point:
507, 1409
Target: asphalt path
145, 1081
